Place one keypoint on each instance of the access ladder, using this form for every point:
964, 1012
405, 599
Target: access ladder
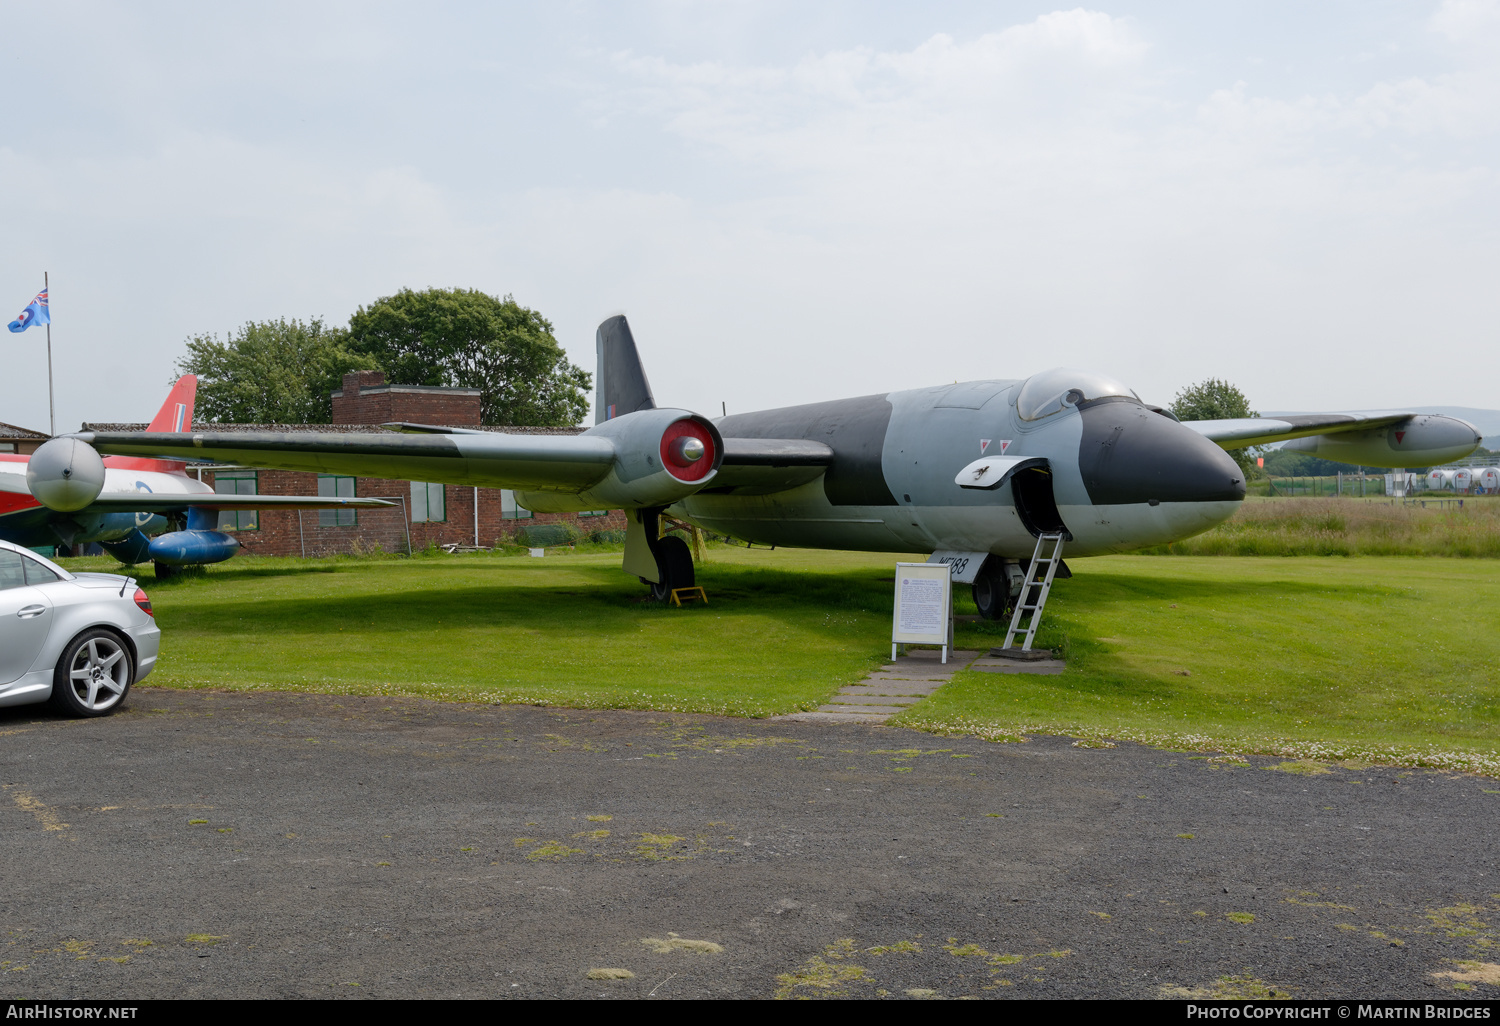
1034, 591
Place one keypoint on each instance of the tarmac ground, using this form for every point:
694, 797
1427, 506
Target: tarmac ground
203, 844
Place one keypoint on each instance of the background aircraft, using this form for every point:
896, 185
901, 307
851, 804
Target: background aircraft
974, 472
137, 508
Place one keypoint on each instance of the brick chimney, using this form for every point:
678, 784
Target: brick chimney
355, 380
367, 399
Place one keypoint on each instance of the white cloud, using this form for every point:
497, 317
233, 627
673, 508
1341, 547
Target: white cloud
1039, 196
852, 219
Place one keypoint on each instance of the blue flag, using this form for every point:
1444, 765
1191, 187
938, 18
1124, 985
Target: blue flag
35, 313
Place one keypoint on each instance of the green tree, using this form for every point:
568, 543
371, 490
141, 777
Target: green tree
1219, 400
271, 372
465, 338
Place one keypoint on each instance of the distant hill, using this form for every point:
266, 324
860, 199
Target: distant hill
1487, 421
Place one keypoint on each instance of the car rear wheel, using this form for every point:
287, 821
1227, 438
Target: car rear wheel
93, 674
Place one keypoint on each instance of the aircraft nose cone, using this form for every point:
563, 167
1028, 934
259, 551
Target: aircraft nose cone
1129, 455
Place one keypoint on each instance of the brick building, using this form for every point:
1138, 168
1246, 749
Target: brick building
425, 512
20, 440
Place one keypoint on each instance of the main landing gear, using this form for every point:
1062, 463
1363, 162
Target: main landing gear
674, 562
672, 558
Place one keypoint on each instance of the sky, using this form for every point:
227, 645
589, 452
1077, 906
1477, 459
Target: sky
791, 201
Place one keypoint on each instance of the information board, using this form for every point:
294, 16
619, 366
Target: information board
924, 606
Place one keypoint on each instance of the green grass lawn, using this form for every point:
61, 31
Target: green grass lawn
1379, 658
781, 633
1383, 658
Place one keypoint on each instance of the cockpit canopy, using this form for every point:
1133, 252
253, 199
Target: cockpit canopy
1061, 388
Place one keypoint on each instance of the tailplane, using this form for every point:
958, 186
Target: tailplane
622, 384
176, 414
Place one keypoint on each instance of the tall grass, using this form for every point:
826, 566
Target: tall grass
1348, 527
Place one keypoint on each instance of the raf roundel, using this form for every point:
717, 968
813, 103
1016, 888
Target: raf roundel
687, 451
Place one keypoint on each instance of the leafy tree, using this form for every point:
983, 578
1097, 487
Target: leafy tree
271, 372
1212, 400
468, 339
1219, 400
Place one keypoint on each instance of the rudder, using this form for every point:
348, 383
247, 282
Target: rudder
622, 384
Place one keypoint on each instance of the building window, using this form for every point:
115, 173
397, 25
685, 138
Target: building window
427, 505
7, 446
343, 487
594, 513
508, 508
237, 482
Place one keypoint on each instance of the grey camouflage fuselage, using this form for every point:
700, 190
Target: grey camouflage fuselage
1118, 476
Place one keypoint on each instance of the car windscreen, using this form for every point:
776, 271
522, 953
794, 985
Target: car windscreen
37, 572
12, 572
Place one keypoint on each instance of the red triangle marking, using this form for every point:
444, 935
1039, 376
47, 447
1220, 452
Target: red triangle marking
1400, 435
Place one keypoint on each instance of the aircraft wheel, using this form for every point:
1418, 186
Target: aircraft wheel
992, 591
164, 571
674, 561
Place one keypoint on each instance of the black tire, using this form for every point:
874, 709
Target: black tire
992, 591
93, 675
166, 571
674, 562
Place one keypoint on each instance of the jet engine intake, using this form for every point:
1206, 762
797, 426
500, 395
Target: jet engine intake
661, 456
65, 475
1421, 441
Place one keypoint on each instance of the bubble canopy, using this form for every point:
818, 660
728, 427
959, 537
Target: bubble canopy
1053, 391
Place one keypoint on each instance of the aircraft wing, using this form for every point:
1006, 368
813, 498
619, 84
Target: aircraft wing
485, 458
1246, 431
488, 458
163, 502
763, 465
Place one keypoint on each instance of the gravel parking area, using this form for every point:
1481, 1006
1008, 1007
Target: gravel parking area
260, 845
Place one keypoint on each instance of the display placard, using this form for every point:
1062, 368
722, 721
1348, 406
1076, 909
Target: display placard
924, 606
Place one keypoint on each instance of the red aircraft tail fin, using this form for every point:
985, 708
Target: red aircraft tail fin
176, 414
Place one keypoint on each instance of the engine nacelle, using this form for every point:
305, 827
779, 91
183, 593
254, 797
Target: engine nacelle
1419, 441
65, 474
661, 456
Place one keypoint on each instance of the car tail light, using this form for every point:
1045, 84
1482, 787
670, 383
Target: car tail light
144, 602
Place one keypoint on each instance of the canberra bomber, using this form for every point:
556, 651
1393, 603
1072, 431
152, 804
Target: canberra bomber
971, 472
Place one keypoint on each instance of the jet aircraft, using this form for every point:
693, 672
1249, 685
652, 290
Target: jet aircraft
137, 509
972, 472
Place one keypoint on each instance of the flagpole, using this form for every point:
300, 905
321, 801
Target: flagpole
51, 408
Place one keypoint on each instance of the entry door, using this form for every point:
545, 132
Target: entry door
25, 618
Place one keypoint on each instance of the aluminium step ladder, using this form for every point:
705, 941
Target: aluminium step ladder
1034, 591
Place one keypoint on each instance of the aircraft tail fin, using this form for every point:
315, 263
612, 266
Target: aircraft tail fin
176, 414
621, 380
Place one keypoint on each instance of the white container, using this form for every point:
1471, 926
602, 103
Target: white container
1463, 477
1487, 478
1437, 479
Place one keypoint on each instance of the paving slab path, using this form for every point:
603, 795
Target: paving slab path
909, 678
214, 845
898, 685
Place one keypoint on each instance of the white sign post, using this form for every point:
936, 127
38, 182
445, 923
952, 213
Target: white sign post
924, 607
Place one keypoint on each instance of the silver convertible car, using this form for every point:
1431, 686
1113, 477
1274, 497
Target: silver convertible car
78, 640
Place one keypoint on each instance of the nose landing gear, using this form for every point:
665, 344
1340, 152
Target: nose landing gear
993, 588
